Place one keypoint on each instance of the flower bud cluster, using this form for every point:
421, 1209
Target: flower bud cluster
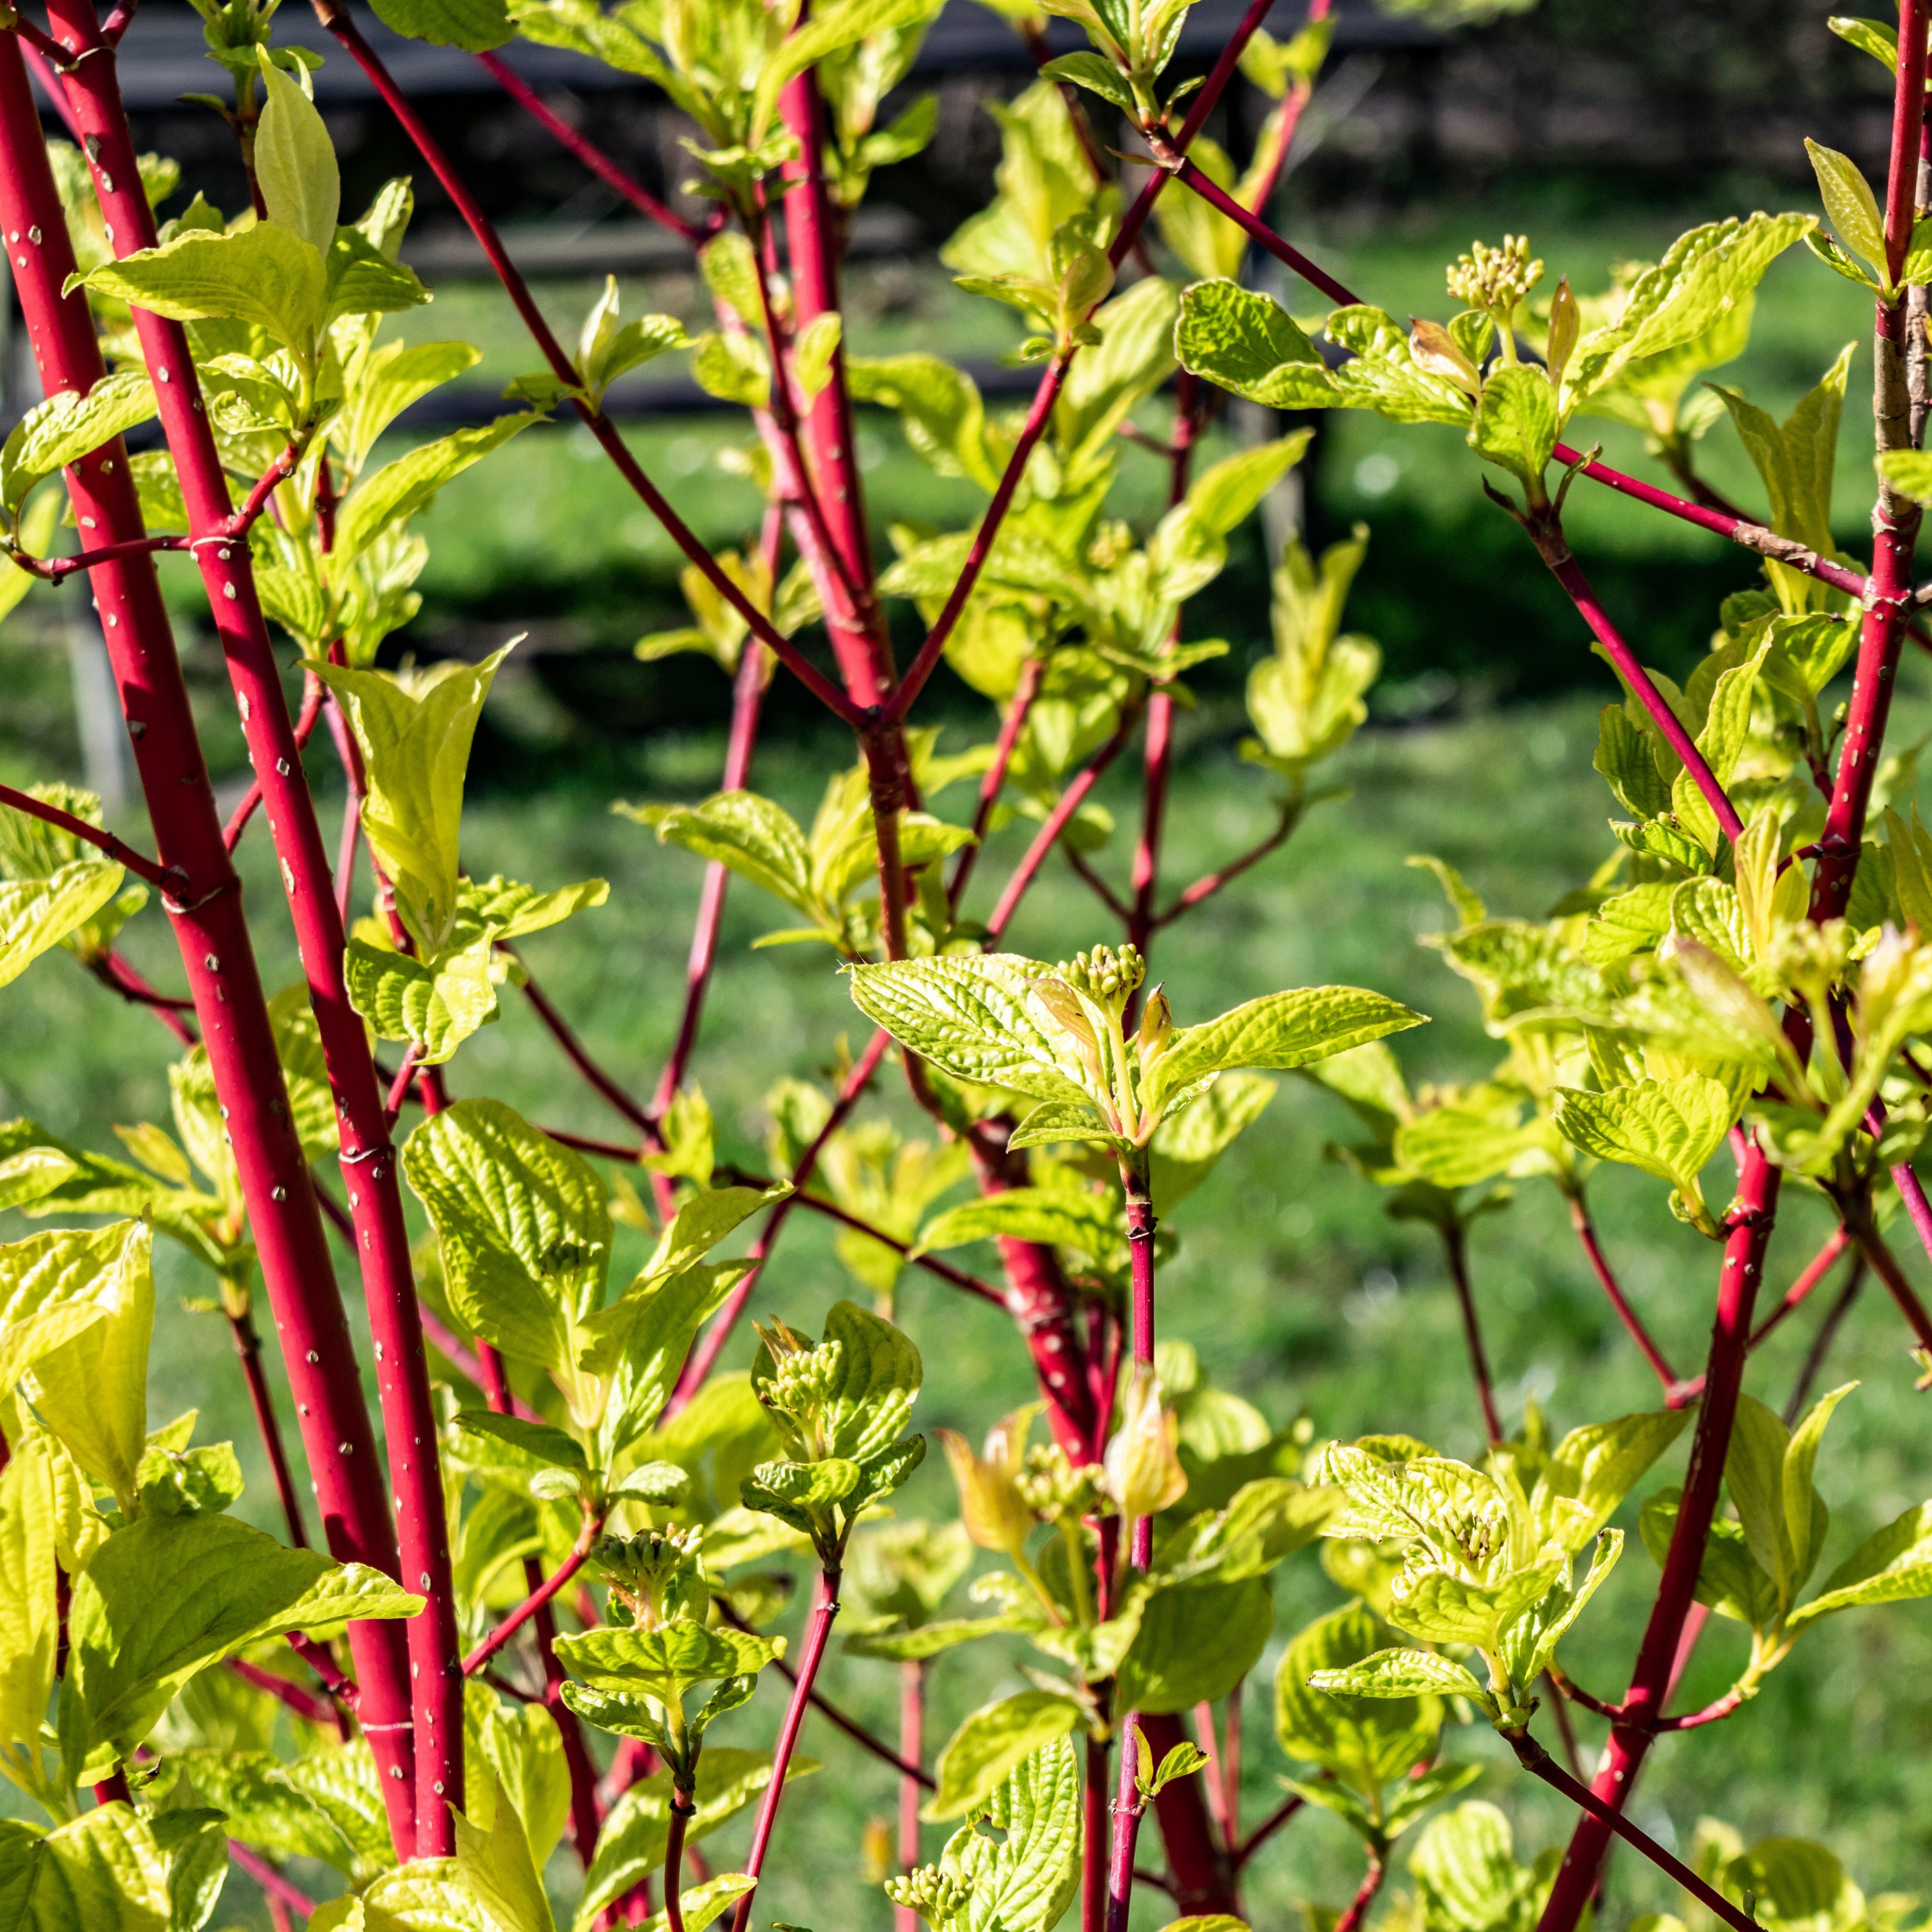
1056, 1492
799, 1388
1495, 279
651, 1574
938, 1897
1111, 977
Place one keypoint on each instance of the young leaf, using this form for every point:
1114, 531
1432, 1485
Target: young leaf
103, 1870
1668, 1128
36, 914
1018, 1862
295, 161
665, 1663
1515, 423
1403, 1673
166, 1597
1280, 1030
67, 426
1849, 202
1367, 1742
434, 1008
398, 490
1247, 342
76, 1314
266, 275
1886, 1568
1194, 1644
525, 1227
496, 1866
758, 840
415, 744
992, 1743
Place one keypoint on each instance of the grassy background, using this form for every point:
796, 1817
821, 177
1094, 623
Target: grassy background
1298, 1292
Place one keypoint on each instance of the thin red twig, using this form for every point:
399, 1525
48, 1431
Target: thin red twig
313, 691
1586, 1233
557, 1579
164, 878
594, 158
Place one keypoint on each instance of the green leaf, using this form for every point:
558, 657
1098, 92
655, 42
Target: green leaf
700, 1905
425, 1895
1467, 1875
363, 281
476, 26
1593, 1468
1279, 1031
1849, 204
76, 1314
1018, 1860
168, 1596
102, 1873
1369, 1742
29, 1609
1458, 1147
1415, 1795
415, 745
1704, 276
1885, 1568
524, 1224
1247, 342
974, 1016
631, 1844
1868, 36
926, 1640
1194, 1644
295, 161
434, 1008
266, 275
67, 426
1909, 471
757, 839
36, 914
1097, 74
1515, 424
1668, 1128
1403, 1673
497, 1868
387, 381
1805, 1516
939, 409
540, 1439
664, 1662
1090, 1224
812, 354
992, 1743
1728, 1579
1226, 494
397, 490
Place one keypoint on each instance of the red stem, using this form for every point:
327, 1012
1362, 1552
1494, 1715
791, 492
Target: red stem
1455, 1250
248, 1347
305, 1704
368, 1160
908, 1769
747, 693
560, 1030
1128, 1806
1539, 1763
1885, 1264
1019, 708
245, 1858
698, 1365
579, 1551
114, 972
1049, 391
594, 158
817, 1635
1206, 887
313, 691
912, 1750
1749, 1224
1094, 1811
1070, 801
334, 16
1365, 1896
813, 225
1268, 1827
1564, 567
168, 879
1586, 1233
682, 1810
213, 936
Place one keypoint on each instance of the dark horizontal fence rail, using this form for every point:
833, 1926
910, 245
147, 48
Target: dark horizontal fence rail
163, 56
